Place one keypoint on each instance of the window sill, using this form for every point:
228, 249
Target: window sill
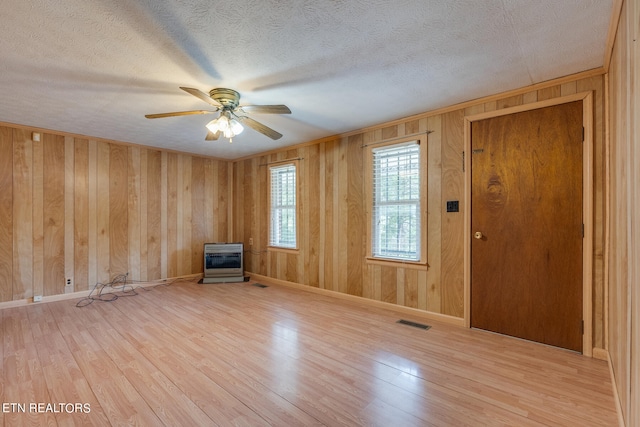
413, 265
285, 250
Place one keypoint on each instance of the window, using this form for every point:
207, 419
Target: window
283, 230
396, 195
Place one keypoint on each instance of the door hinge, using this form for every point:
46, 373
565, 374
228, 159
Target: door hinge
583, 231
463, 161
582, 133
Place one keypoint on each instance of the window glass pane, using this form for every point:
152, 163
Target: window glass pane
283, 206
396, 202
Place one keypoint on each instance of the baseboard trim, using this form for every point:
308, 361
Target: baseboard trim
428, 315
84, 294
616, 396
600, 354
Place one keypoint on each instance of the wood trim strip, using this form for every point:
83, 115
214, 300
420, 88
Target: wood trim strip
527, 107
634, 188
6, 214
467, 221
614, 23
397, 139
588, 176
604, 355
607, 209
600, 354
451, 320
398, 264
69, 211
283, 250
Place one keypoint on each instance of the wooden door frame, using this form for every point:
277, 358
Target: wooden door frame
587, 205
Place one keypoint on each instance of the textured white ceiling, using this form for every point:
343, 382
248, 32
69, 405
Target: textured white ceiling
96, 67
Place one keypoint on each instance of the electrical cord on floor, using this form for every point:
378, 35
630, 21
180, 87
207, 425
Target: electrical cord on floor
124, 285
119, 282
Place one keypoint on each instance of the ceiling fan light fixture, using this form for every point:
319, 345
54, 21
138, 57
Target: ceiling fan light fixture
219, 124
213, 126
227, 126
236, 127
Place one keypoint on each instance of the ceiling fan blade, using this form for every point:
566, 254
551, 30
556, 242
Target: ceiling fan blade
212, 136
260, 127
266, 109
200, 94
177, 113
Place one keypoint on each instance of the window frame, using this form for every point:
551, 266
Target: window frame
421, 262
270, 167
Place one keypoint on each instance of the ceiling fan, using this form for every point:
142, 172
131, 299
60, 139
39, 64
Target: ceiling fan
232, 114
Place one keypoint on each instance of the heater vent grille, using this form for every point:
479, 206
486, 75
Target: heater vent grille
414, 324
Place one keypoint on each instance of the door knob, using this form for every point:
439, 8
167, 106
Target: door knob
478, 235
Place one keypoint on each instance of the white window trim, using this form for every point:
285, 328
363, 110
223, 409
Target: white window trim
296, 165
421, 263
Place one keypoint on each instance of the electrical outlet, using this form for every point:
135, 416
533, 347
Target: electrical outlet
250, 241
68, 285
37, 298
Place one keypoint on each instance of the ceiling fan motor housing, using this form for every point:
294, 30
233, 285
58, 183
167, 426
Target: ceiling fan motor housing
228, 98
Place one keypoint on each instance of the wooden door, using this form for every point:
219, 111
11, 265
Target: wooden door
526, 201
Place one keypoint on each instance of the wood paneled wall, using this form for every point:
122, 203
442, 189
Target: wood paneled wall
88, 210
624, 254
333, 226
91, 209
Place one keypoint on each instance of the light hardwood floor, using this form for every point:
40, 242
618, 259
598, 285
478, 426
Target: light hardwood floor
236, 354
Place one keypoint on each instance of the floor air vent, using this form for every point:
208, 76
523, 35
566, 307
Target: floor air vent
260, 285
414, 324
